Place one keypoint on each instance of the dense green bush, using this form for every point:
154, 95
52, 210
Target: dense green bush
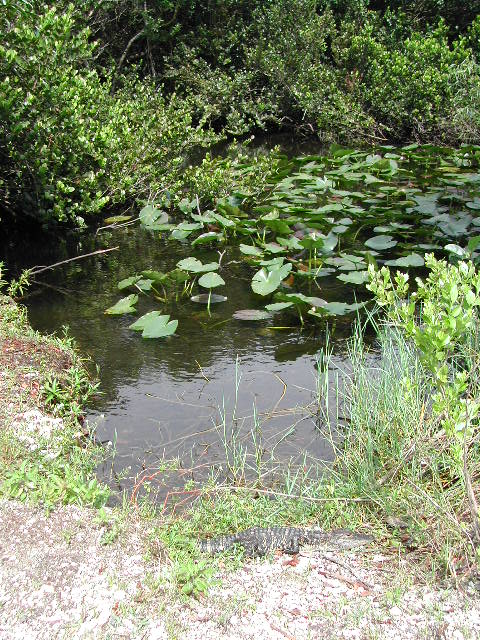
67, 146
409, 89
105, 101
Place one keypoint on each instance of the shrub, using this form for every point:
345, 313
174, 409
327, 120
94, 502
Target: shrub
67, 146
408, 89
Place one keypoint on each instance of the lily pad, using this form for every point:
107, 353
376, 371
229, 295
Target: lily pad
128, 282
151, 217
159, 327
156, 276
204, 298
125, 305
139, 325
380, 243
267, 281
206, 238
354, 277
412, 260
117, 219
278, 306
211, 280
251, 315
195, 266
249, 250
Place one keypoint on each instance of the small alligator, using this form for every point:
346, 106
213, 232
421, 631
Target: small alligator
258, 541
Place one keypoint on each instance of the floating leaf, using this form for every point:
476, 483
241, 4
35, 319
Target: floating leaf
248, 250
278, 306
203, 298
336, 309
195, 266
380, 243
412, 260
156, 276
139, 325
128, 282
211, 280
151, 217
125, 305
206, 238
251, 315
354, 277
144, 284
266, 281
159, 327
117, 219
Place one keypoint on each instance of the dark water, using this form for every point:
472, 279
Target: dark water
176, 398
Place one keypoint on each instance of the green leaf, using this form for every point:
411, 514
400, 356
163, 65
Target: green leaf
380, 243
265, 282
125, 305
117, 219
151, 217
208, 298
211, 280
128, 282
159, 327
206, 238
195, 266
248, 250
354, 277
473, 243
278, 306
139, 325
412, 260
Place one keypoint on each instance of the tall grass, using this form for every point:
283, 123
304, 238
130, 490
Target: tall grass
394, 453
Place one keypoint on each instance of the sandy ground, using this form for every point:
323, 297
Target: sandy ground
58, 579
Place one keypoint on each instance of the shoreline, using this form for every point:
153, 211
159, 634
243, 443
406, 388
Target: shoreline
70, 567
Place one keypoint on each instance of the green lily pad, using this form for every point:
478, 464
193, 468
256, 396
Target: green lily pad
139, 325
125, 305
249, 250
156, 276
380, 243
412, 260
144, 284
211, 280
206, 238
117, 219
278, 306
354, 277
128, 282
195, 266
267, 281
151, 217
159, 327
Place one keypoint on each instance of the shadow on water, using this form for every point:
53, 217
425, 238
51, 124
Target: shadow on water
176, 398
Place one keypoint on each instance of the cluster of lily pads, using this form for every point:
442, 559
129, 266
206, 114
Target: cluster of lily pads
323, 216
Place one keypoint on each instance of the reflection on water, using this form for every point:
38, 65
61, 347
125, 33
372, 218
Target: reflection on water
177, 397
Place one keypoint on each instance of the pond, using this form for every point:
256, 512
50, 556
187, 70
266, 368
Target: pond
225, 392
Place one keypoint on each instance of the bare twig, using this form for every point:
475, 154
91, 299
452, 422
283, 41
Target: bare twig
40, 269
132, 41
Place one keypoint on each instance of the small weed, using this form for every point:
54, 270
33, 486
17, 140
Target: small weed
193, 578
67, 535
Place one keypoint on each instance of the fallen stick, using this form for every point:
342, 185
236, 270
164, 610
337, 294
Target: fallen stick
40, 269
